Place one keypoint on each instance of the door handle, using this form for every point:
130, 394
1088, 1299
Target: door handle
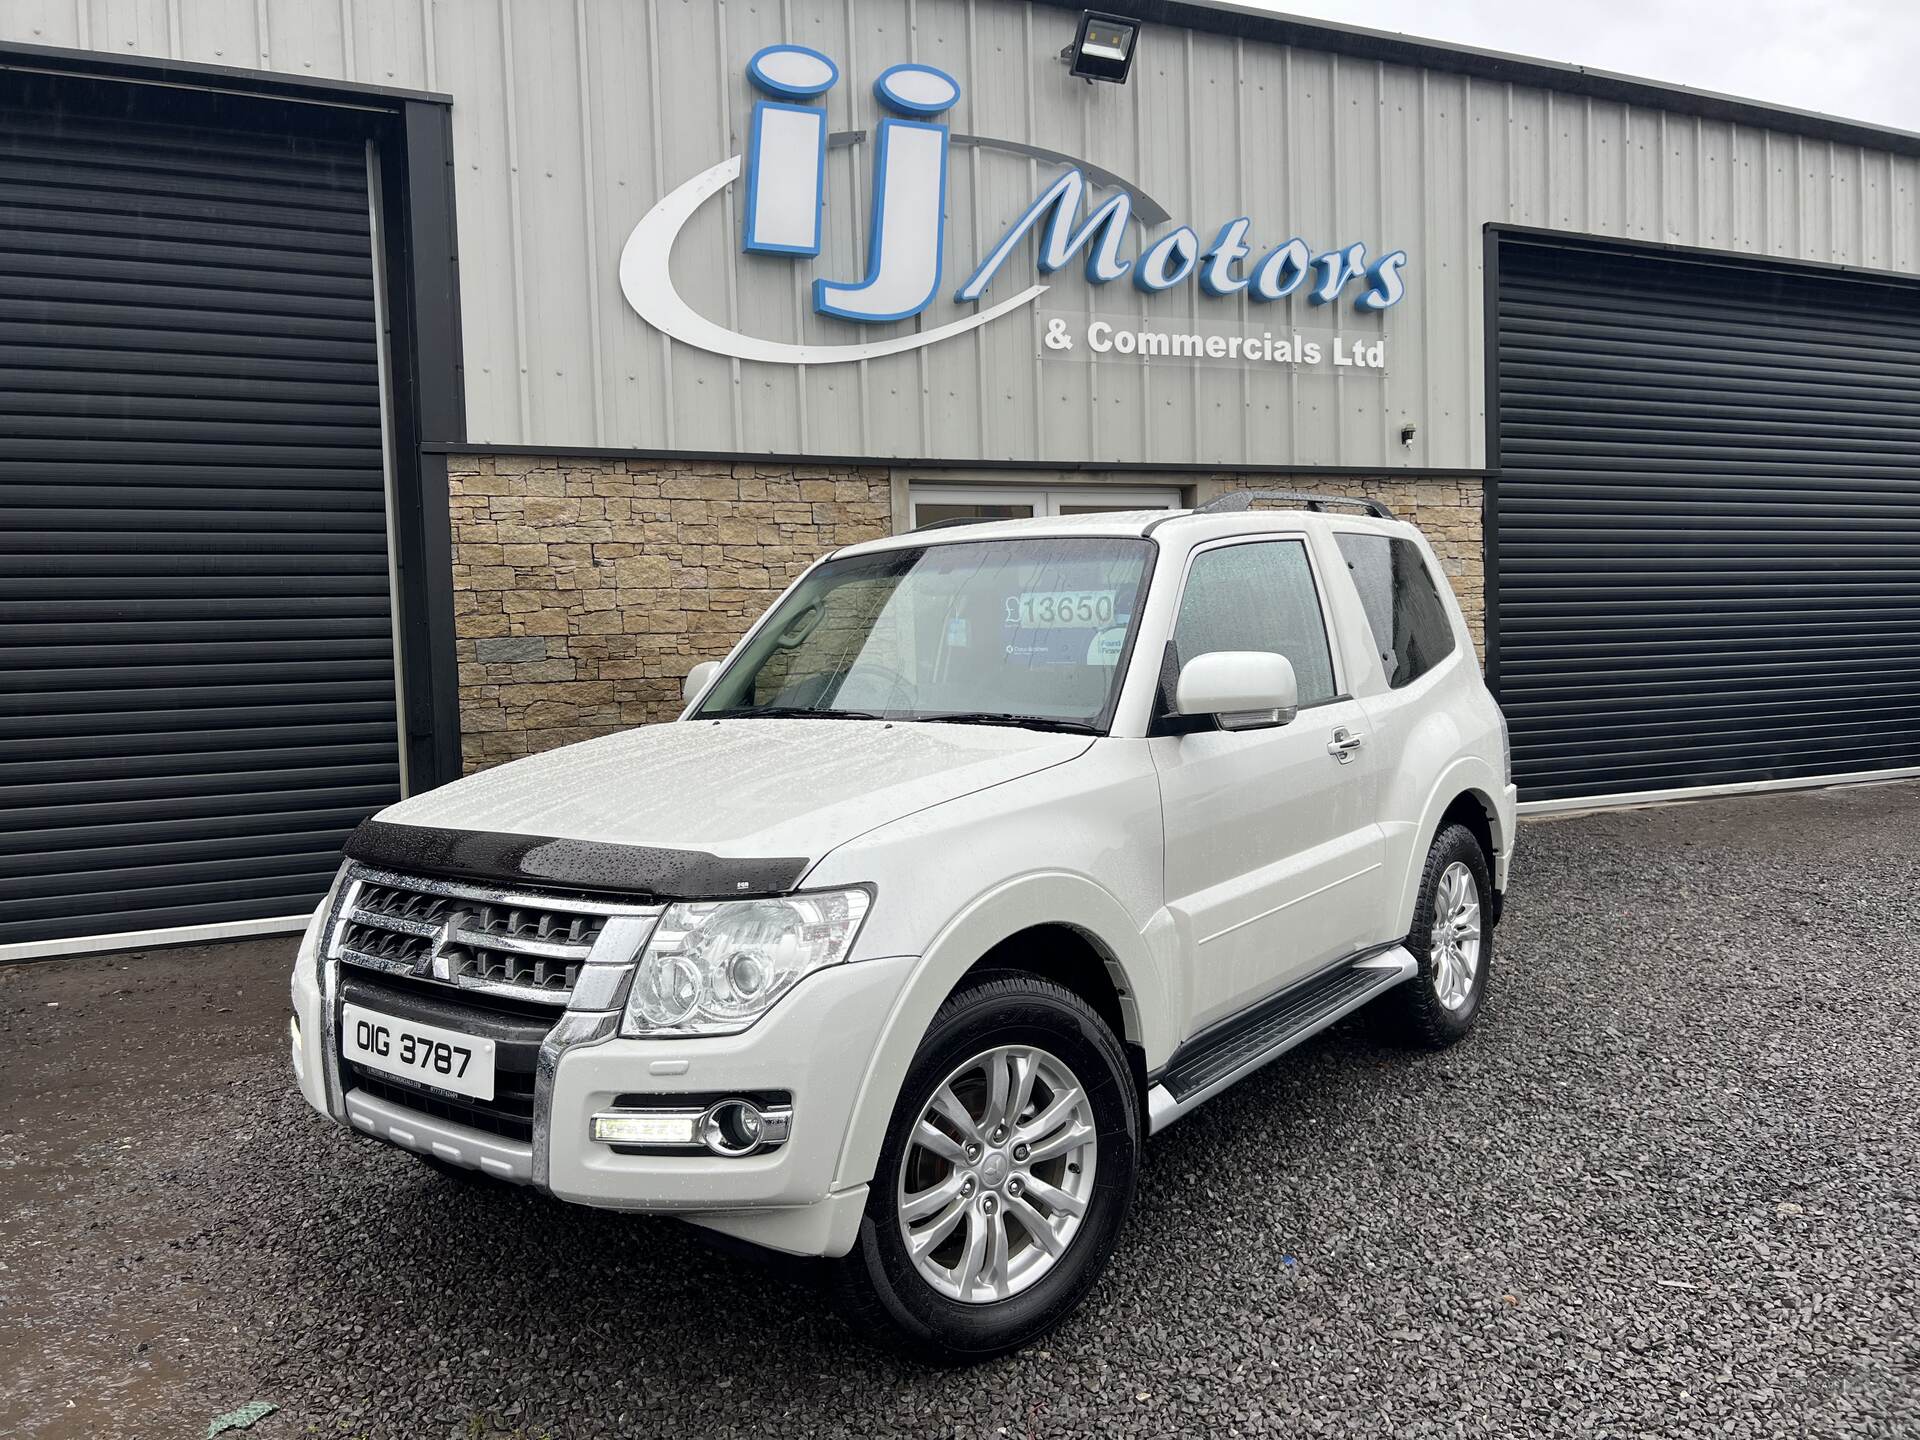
1343, 744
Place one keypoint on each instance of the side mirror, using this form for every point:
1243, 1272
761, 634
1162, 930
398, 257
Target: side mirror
1242, 689
698, 678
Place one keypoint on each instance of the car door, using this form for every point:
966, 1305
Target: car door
1273, 859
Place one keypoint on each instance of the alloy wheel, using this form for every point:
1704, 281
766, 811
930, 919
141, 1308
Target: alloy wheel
997, 1174
1455, 942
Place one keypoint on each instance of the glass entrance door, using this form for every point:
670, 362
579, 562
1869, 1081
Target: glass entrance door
933, 504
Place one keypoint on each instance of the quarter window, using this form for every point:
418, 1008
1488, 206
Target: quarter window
1409, 620
1257, 596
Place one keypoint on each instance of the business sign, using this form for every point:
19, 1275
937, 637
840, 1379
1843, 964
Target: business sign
1103, 337
784, 182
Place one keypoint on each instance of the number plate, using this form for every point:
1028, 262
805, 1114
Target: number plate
444, 1059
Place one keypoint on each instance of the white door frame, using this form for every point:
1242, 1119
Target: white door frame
1045, 499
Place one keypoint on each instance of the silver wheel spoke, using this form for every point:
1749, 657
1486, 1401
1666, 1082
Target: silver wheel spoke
1035, 1224
1068, 1140
1024, 1069
931, 1136
920, 1242
996, 1271
918, 1207
949, 1106
1054, 1198
999, 1092
975, 1255
1051, 1118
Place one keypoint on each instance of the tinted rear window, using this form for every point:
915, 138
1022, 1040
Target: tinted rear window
1404, 609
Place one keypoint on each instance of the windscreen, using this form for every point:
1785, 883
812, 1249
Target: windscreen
1011, 630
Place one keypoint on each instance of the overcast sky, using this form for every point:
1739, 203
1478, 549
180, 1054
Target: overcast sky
1846, 57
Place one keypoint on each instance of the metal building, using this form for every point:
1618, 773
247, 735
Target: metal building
394, 386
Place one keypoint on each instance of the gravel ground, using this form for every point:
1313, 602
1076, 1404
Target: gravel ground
1670, 1187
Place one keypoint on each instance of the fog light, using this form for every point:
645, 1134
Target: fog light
733, 1127
646, 1127
730, 1127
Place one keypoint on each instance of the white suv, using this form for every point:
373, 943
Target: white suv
988, 852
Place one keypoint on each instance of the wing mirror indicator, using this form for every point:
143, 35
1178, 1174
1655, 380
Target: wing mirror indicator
1240, 689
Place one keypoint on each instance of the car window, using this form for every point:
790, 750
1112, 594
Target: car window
1408, 618
1257, 596
1030, 629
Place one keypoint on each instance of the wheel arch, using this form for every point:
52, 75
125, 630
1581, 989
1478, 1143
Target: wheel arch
1466, 792
1062, 927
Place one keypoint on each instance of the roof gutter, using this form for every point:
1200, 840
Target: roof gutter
1243, 21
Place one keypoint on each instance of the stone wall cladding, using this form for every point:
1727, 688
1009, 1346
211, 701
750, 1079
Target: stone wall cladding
584, 589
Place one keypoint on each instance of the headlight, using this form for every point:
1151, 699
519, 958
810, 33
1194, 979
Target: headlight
715, 968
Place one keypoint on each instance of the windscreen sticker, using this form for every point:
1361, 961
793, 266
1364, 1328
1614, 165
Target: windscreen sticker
1064, 627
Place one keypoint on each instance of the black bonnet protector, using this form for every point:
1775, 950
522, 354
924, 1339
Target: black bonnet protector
636, 870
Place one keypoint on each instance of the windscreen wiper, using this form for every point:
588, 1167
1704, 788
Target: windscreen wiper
790, 712
1025, 722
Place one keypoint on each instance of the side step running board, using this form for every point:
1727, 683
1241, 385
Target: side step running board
1291, 1017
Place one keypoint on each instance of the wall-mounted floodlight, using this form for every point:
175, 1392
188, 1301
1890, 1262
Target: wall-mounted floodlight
1103, 48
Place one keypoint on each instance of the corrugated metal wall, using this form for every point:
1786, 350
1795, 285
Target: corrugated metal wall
573, 116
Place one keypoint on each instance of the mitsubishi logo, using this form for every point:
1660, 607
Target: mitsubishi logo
435, 962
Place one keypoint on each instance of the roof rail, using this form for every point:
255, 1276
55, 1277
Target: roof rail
1235, 500
953, 520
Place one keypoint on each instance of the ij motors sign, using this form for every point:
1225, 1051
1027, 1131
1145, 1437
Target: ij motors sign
783, 184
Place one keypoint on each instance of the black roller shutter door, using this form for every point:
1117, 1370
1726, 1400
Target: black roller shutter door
197, 695
1706, 536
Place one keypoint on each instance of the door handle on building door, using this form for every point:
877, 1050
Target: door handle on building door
1343, 744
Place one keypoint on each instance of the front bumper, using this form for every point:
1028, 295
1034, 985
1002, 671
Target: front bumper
815, 1044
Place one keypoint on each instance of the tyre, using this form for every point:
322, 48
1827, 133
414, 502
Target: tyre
1005, 1177
1452, 938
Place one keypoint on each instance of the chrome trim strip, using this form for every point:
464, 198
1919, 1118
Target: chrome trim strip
1393, 965
602, 987
494, 894
521, 945
776, 1122
329, 979
541, 996
575, 1030
624, 936
424, 1135
398, 924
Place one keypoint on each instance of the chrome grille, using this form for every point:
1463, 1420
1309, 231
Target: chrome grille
532, 946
